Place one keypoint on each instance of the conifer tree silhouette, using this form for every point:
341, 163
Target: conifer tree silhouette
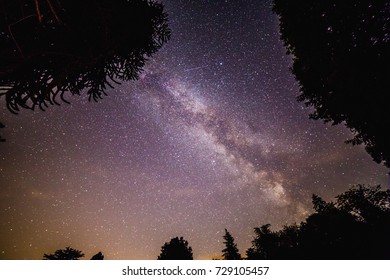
230, 252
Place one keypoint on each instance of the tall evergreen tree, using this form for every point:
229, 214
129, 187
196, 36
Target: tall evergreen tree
230, 252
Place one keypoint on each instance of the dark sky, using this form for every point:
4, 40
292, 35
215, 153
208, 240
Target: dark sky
211, 137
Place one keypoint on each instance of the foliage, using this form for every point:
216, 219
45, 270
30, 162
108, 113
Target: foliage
356, 226
51, 47
263, 245
230, 252
64, 254
98, 256
176, 249
341, 52
366, 204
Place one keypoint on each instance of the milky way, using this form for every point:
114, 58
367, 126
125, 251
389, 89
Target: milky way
210, 137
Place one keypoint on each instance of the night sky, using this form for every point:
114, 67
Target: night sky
210, 137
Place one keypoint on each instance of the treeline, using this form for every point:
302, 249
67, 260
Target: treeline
355, 226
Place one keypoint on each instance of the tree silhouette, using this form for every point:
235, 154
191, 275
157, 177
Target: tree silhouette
51, 47
64, 254
230, 252
98, 256
288, 242
329, 233
366, 204
264, 244
341, 52
355, 226
370, 206
176, 249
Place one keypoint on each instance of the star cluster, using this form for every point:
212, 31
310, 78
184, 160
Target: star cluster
210, 137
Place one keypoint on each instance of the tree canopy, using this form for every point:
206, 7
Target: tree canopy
355, 226
341, 60
51, 47
230, 252
263, 244
70, 253
64, 254
176, 249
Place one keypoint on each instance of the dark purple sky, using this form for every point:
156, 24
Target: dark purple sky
211, 137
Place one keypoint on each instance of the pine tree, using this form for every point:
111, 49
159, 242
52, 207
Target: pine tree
231, 251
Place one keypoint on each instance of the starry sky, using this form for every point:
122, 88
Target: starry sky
210, 137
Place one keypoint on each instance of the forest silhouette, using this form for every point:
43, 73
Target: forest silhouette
355, 226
